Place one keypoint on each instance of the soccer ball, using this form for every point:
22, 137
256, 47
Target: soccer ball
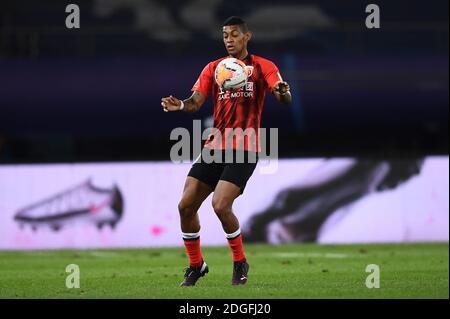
232, 74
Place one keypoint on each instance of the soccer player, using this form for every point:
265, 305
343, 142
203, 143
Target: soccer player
226, 180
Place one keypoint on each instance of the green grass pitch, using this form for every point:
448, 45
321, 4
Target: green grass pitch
285, 271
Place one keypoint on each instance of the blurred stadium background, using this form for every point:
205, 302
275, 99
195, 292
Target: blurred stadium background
81, 128
92, 93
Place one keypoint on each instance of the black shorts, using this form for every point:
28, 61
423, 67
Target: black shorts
236, 172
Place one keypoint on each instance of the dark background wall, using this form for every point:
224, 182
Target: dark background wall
94, 93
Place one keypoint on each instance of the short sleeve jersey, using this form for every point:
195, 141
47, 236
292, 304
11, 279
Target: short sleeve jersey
237, 114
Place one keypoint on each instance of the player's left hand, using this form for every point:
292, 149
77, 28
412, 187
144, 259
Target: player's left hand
281, 87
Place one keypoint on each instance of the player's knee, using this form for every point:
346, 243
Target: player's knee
186, 208
221, 206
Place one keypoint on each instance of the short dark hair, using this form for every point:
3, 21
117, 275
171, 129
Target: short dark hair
234, 20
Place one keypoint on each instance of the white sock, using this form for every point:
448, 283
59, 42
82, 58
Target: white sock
235, 234
190, 236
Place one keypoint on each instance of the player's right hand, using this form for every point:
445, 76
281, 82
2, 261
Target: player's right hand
170, 104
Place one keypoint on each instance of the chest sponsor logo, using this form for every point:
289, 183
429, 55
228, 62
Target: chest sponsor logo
246, 92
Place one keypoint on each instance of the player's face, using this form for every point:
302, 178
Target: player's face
234, 39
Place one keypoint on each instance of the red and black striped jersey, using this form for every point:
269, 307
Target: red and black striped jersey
237, 114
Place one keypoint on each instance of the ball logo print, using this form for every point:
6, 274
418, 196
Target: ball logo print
232, 74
